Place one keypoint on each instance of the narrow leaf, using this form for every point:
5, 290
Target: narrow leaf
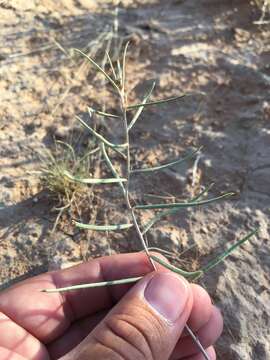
102, 113
124, 67
226, 253
157, 102
103, 227
98, 136
93, 285
140, 109
99, 69
182, 205
169, 212
92, 181
161, 167
186, 274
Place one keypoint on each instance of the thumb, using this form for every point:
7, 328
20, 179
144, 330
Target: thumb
145, 325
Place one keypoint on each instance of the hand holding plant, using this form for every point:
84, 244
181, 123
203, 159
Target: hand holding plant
117, 79
145, 321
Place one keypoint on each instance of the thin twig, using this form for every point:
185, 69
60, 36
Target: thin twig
135, 222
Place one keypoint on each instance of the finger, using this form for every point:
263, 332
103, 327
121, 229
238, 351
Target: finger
202, 309
47, 316
6, 354
82, 328
207, 335
15, 338
74, 335
200, 315
146, 324
210, 352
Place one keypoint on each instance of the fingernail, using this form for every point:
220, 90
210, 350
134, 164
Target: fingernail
167, 294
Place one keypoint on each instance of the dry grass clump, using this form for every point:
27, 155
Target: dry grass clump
60, 165
58, 171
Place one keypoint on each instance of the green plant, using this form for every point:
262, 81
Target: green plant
129, 114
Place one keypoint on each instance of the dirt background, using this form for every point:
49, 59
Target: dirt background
207, 46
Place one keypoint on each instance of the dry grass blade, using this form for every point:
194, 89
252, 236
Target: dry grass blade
69, 147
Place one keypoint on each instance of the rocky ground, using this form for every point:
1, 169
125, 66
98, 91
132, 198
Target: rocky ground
210, 48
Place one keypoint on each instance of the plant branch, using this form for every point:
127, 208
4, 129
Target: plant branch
128, 170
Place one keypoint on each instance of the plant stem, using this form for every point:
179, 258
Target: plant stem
128, 170
197, 342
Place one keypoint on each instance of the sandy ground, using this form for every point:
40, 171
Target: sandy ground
208, 46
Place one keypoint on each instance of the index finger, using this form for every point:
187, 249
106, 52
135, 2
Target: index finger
47, 316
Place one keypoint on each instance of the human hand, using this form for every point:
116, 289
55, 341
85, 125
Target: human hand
143, 322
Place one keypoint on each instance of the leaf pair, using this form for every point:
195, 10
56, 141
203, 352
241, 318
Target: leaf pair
100, 137
121, 91
172, 211
194, 275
